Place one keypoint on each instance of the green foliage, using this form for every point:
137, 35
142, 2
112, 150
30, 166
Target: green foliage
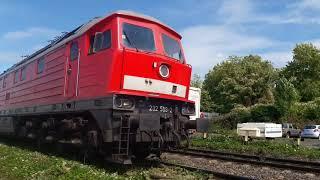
304, 71
206, 101
259, 147
20, 163
302, 113
216, 127
241, 114
196, 81
264, 113
286, 95
240, 80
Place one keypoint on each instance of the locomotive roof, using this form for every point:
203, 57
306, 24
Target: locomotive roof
81, 30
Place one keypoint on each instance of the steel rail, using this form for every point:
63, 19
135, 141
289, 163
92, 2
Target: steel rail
214, 173
307, 166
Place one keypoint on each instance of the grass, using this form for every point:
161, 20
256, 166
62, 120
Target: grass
232, 143
24, 163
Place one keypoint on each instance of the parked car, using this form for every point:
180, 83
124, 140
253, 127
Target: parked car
311, 131
288, 130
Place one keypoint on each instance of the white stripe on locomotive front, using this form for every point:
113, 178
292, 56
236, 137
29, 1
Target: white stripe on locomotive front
157, 86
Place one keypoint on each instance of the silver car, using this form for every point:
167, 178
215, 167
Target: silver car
288, 130
311, 131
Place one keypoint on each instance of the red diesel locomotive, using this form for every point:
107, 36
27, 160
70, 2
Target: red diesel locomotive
117, 85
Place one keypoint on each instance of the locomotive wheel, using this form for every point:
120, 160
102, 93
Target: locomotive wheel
59, 148
39, 144
142, 151
87, 155
142, 155
40, 139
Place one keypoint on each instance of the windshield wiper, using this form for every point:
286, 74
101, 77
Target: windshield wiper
130, 42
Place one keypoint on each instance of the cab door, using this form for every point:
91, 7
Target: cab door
73, 65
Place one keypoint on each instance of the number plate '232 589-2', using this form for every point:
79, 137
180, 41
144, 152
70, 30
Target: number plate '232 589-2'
163, 109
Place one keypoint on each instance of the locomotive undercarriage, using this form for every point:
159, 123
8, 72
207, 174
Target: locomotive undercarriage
120, 135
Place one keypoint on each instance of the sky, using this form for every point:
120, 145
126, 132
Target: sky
211, 30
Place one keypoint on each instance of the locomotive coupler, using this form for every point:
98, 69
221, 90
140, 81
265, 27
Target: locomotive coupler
200, 124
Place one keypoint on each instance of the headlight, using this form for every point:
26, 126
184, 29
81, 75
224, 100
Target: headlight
164, 71
188, 109
123, 103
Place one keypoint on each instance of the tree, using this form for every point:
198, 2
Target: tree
240, 80
304, 71
206, 101
196, 81
286, 95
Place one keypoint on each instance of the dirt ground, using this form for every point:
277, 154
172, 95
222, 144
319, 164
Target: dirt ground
312, 143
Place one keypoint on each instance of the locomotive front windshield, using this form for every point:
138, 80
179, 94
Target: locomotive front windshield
172, 48
138, 37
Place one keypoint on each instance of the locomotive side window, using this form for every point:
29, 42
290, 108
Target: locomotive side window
16, 76
100, 41
138, 37
24, 73
172, 48
74, 51
106, 43
91, 44
1, 82
4, 85
41, 64
98, 38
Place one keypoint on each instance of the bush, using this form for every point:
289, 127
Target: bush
240, 114
256, 113
265, 113
302, 113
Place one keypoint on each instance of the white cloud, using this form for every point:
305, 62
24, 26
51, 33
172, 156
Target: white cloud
278, 59
248, 11
281, 58
206, 46
235, 11
307, 4
31, 32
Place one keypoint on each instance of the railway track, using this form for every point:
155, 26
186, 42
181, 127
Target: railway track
306, 166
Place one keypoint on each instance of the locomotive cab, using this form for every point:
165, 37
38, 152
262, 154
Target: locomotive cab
152, 53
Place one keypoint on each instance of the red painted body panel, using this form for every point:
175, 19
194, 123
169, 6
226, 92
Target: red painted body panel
94, 75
